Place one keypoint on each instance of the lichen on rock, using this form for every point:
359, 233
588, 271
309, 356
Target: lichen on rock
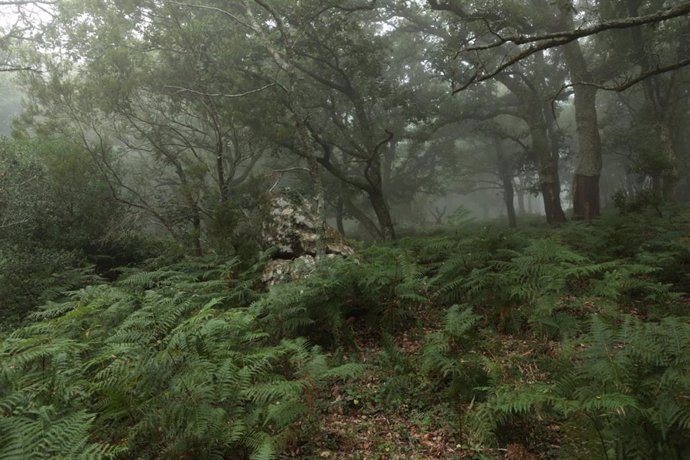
292, 227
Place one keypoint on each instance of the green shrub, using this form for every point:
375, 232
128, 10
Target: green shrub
163, 364
383, 285
28, 278
629, 382
452, 359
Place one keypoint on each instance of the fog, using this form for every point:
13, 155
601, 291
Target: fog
395, 117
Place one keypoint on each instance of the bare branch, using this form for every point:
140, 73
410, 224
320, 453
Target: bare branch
181, 89
655, 71
287, 170
541, 42
572, 35
351, 9
628, 82
19, 69
227, 13
25, 2
279, 175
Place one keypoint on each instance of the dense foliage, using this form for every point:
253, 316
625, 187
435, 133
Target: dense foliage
344, 229
524, 340
163, 363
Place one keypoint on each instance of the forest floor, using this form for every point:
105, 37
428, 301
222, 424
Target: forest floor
356, 426
359, 424
486, 344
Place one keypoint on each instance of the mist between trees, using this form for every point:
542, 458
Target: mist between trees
344, 229
392, 114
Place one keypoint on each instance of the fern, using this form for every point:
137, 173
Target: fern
169, 368
450, 358
631, 382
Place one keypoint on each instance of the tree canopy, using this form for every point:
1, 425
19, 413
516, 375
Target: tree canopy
261, 229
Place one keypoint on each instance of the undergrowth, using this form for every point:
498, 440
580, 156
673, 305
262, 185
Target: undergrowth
567, 343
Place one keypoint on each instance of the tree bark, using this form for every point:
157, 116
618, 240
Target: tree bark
339, 215
549, 180
376, 195
506, 174
586, 196
378, 202
541, 153
362, 218
586, 203
520, 200
669, 176
586, 199
660, 101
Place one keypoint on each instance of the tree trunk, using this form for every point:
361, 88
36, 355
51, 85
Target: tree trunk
378, 202
389, 154
541, 153
549, 180
362, 218
339, 215
588, 169
585, 197
669, 177
520, 200
508, 198
220, 168
586, 204
661, 97
506, 174
196, 233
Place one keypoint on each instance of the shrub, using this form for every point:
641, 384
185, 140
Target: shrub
628, 380
163, 364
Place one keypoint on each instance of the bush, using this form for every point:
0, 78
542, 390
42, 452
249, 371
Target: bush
629, 381
383, 286
163, 364
28, 278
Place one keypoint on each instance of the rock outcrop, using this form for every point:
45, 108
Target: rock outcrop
292, 227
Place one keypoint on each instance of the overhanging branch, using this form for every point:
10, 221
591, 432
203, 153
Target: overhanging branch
572, 35
542, 42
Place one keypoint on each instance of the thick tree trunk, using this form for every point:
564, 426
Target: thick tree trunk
377, 198
339, 215
506, 173
542, 154
586, 204
549, 180
586, 196
669, 177
196, 233
552, 203
588, 168
383, 215
520, 200
508, 198
362, 218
